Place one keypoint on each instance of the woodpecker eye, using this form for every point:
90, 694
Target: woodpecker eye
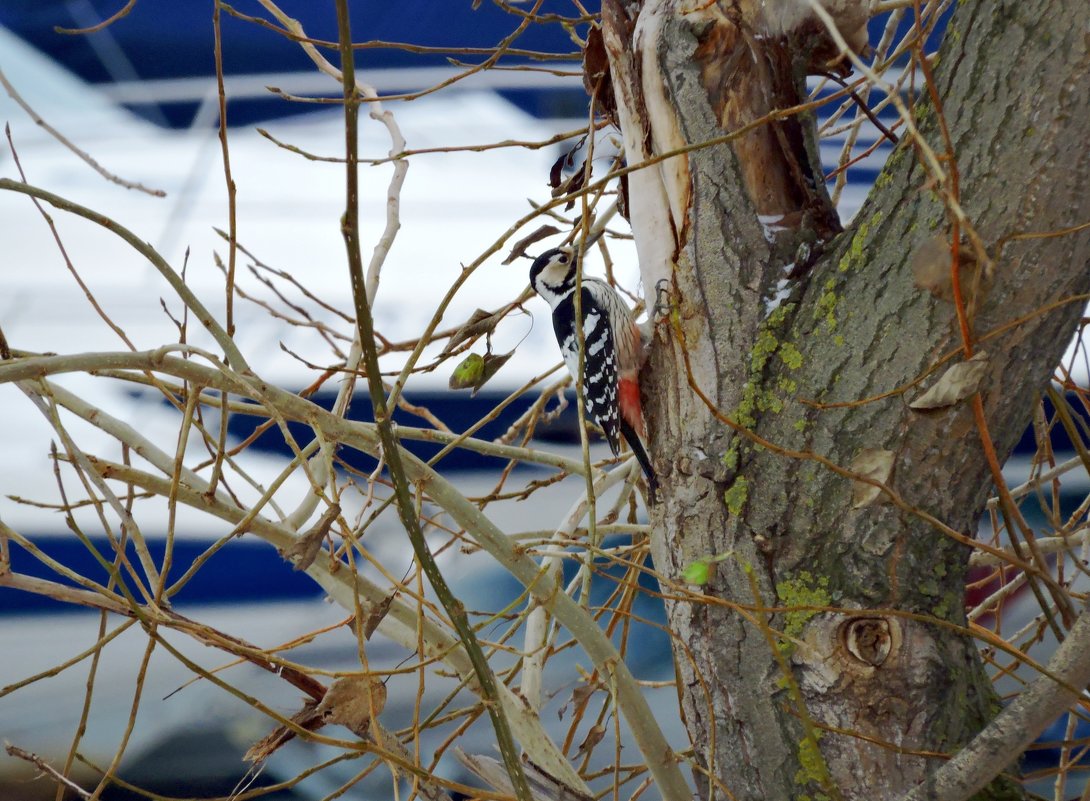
563, 258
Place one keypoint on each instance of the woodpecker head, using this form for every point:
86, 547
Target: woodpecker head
552, 274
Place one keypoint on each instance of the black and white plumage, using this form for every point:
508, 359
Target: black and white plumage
613, 349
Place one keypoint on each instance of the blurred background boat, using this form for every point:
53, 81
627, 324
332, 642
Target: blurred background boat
141, 97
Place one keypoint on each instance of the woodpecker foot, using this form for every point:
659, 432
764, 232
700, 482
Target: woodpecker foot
662, 298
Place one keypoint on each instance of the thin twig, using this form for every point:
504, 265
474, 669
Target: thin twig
37, 118
46, 768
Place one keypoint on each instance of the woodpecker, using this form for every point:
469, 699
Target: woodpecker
613, 350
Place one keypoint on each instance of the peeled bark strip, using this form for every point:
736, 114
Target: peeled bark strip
748, 71
649, 207
1013, 78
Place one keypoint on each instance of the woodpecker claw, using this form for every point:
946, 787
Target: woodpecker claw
662, 306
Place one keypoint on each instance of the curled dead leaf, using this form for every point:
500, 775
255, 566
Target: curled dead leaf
956, 384
594, 736
582, 693
479, 323
571, 186
265, 747
519, 248
556, 172
353, 701
305, 549
931, 271
596, 76
377, 613
542, 783
872, 463
492, 364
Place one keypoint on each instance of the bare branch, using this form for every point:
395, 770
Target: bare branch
109, 176
1018, 725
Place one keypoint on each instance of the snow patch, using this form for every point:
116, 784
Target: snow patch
781, 292
771, 224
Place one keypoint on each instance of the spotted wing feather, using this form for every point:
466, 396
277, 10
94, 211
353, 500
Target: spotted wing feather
599, 361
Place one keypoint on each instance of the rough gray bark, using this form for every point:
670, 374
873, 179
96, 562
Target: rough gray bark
1013, 78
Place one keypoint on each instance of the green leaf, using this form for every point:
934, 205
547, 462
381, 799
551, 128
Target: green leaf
475, 370
468, 373
697, 572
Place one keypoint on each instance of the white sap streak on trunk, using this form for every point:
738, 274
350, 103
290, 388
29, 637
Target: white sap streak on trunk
661, 117
649, 208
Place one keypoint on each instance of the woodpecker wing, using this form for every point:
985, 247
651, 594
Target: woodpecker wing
599, 360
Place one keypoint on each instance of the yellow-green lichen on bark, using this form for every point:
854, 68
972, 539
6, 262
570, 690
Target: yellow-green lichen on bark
790, 355
813, 769
799, 595
854, 257
756, 396
735, 497
825, 309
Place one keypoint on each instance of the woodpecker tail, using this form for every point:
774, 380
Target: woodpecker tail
641, 456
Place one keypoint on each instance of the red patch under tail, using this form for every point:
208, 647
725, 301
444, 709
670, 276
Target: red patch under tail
629, 402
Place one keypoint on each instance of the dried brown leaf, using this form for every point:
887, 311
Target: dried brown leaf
377, 614
595, 59
480, 322
931, 270
582, 693
305, 718
306, 548
596, 76
570, 187
594, 736
557, 170
352, 701
874, 463
492, 364
956, 384
542, 783
519, 248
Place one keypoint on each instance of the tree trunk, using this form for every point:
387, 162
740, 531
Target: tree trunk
852, 680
